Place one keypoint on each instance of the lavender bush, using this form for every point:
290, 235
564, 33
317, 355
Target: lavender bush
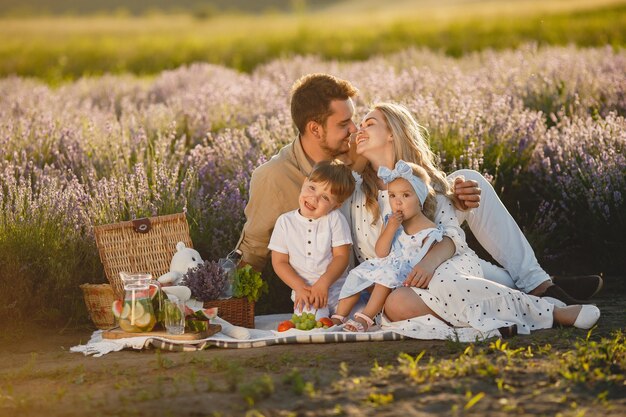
545, 125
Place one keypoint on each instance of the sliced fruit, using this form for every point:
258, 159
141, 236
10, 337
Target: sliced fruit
127, 327
285, 325
154, 291
150, 325
157, 305
125, 311
117, 307
189, 312
206, 314
144, 320
138, 311
196, 325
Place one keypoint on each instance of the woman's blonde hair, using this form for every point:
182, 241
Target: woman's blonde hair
410, 143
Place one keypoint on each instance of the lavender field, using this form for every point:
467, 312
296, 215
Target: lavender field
546, 125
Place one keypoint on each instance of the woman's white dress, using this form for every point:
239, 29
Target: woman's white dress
472, 307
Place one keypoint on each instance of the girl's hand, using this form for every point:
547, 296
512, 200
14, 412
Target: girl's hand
302, 299
419, 277
395, 220
319, 295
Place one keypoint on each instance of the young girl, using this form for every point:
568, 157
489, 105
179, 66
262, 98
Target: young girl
408, 234
311, 245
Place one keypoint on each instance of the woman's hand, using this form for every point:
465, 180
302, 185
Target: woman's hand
419, 276
319, 294
468, 192
302, 299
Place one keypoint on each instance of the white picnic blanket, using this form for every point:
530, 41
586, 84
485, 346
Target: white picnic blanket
264, 335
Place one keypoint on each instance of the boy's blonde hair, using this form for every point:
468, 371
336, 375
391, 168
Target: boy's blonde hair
429, 207
338, 175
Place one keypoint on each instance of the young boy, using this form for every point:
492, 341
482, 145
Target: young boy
311, 245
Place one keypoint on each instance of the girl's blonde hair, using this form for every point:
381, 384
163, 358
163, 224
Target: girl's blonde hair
410, 143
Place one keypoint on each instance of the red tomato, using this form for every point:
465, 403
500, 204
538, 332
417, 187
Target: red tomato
285, 325
326, 322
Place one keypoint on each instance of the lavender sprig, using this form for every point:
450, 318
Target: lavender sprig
206, 281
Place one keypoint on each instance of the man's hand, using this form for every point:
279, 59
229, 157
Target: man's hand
468, 192
319, 295
419, 277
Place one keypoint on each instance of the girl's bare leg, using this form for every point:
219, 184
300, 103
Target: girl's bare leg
345, 306
373, 307
375, 303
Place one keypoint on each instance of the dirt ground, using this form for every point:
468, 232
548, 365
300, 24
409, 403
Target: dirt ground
554, 372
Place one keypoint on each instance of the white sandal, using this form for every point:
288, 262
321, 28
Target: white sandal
355, 326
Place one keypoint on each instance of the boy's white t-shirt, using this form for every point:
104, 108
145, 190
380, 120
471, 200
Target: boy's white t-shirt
309, 242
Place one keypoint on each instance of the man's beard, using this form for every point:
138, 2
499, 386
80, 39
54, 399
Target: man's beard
330, 151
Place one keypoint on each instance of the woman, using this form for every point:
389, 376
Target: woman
459, 296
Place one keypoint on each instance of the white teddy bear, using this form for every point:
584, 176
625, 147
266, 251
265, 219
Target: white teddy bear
184, 259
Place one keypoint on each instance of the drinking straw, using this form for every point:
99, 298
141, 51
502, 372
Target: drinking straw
132, 308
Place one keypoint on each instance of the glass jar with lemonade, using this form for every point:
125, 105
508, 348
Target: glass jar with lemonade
137, 314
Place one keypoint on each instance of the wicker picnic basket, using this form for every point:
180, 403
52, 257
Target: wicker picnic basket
98, 299
237, 311
148, 245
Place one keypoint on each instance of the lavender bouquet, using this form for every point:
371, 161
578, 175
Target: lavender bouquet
206, 281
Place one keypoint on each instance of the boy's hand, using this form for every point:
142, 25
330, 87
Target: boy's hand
319, 294
419, 277
303, 298
468, 192
395, 220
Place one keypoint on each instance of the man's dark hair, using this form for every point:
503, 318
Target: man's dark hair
311, 96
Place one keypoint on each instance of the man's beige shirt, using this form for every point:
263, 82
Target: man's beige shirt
274, 190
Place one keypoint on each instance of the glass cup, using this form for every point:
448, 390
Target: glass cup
174, 315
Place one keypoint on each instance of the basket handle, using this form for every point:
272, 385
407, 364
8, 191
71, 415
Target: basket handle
142, 225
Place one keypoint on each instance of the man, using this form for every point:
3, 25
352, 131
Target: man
322, 110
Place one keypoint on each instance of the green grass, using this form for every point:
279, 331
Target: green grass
59, 49
523, 375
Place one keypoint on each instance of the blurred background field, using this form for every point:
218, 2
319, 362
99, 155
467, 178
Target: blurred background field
114, 113
63, 40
